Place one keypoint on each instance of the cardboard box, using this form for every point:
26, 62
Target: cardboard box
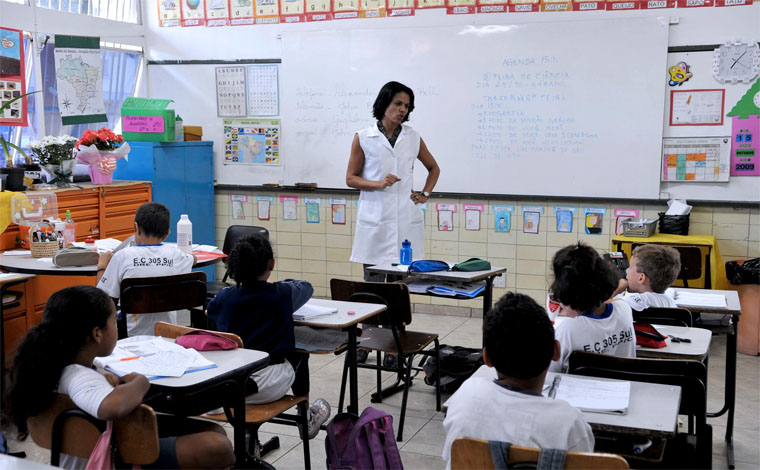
147, 120
193, 133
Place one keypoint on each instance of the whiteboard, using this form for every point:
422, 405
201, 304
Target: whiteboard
553, 109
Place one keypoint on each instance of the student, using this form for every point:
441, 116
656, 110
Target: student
148, 258
583, 281
519, 343
261, 313
653, 269
79, 324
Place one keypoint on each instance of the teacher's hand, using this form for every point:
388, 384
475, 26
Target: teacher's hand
418, 198
389, 180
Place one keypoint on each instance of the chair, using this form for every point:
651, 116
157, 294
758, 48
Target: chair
64, 428
691, 263
388, 335
691, 376
256, 415
231, 237
467, 453
665, 316
142, 295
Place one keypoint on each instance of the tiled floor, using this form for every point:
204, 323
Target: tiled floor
423, 430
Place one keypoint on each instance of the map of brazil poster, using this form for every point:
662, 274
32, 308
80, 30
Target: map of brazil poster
252, 141
79, 79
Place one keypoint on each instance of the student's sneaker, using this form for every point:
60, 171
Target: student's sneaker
319, 412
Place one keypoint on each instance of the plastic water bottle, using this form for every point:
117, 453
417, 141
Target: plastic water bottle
69, 230
406, 252
179, 129
185, 234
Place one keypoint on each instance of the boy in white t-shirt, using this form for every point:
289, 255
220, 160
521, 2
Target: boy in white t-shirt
148, 258
583, 281
653, 269
519, 344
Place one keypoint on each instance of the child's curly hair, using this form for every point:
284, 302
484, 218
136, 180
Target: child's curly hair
249, 259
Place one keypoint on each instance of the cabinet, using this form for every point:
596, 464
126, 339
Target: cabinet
106, 211
182, 174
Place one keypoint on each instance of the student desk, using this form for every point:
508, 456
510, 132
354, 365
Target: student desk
714, 272
196, 393
733, 308
6, 281
450, 276
645, 417
697, 350
346, 322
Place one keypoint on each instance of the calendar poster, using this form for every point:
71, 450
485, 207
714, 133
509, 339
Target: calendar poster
252, 142
230, 92
263, 94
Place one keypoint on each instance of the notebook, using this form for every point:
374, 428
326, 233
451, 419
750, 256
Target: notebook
309, 311
596, 396
694, 299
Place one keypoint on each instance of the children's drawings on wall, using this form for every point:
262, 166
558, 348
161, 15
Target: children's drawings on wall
472, 216
446, 216
531, 218
621, 215
312, 209
564, 215
236, 206
502, 218
338, 206
289, 210
594, 219
264, 204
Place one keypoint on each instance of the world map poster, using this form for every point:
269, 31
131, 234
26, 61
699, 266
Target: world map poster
79, 78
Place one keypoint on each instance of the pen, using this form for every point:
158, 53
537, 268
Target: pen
555, 386
129, 358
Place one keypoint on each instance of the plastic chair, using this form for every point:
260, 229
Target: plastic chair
141, 295
665, 316
685, 451
256, 415
64, 428
231, 237
388, 334
468, 453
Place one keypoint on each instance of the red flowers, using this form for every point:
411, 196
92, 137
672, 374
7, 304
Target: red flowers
103, 139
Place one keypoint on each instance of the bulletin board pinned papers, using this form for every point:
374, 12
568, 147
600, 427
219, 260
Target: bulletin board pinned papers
696, 159
252, 142
697, 107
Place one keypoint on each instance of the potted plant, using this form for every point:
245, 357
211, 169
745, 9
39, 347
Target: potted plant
14, 180
101, 149
56, 155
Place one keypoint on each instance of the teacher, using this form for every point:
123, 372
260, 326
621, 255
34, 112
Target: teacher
381, 166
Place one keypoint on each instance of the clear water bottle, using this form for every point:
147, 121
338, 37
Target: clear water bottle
406, 252
69, 230
185, 234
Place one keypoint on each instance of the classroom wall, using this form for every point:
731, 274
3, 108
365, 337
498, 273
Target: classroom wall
319, 252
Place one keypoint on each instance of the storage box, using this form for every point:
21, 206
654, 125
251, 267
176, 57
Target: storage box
147, 120
28, 209
639, 227
193, 133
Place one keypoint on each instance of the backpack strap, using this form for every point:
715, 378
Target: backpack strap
552, 459
375, 446
382, 452
499, 454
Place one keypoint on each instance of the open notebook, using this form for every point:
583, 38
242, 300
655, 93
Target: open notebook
309, 311
696, 299
597, 396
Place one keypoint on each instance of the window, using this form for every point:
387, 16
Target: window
117, 10
17, 134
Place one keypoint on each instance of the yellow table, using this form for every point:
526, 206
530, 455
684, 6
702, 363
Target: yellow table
712, 266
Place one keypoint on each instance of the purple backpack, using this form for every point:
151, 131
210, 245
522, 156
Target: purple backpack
365, 442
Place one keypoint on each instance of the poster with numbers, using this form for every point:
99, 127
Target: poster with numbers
252, 142
318, 10
231, 92
193, 13
168, 13
292, 11
217, 13
263, 94
241, 12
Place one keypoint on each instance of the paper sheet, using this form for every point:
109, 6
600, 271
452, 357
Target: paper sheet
697, 300
309, 311
598, 396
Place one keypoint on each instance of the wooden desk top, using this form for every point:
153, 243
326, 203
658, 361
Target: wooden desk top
5, 278
697, 350
342, 319
457, 276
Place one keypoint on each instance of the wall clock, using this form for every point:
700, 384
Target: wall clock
737, 61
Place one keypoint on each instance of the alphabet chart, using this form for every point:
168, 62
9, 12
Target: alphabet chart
230, 92
263, 95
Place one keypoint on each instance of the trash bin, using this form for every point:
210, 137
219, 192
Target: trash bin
745, 275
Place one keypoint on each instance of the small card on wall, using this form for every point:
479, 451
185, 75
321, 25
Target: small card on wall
289, 211
502, 218
565, 216
531, 218
472, 216
312, 209
338, 210
594, 219
445, 221
264, 205
621, 215
236, 206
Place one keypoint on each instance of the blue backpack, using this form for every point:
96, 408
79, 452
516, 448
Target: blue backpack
427, 266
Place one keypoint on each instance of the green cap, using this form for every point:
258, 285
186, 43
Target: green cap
68, 213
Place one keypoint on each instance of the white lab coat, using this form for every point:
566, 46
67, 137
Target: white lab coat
386, 217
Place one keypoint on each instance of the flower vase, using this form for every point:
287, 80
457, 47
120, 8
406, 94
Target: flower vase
101, 172
63, 174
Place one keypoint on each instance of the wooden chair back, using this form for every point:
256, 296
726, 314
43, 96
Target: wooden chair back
665, 316
691, 262
141, 295
468, 453
135, 435
170, 330
394, 295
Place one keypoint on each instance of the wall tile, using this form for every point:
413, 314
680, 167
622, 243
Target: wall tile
530, 267
726, 215
731, 231
314, 253
527, 252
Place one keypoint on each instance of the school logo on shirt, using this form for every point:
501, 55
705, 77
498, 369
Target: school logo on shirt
612, 341
146, 261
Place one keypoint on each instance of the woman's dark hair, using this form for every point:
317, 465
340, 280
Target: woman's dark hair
249, 259
518, 336
69, 317
385, 96
582, 279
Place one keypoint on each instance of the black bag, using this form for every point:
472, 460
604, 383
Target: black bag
743, 271
674, 224
457, 365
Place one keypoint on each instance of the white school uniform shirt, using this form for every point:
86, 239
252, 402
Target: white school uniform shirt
644, 300
144, 261
386, 217
482, 409
609, 333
